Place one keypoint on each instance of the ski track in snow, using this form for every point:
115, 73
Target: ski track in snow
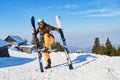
87, 66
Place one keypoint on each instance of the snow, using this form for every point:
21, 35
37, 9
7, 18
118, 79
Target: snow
3, 43
87, 66
27, 45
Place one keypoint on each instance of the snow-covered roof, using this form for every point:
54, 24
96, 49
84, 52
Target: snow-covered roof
27, 45
3, 43
18, 39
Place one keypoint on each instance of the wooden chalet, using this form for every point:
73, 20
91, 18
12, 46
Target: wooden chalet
4, 48
15, 40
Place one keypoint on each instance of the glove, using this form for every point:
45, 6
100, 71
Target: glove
33, 31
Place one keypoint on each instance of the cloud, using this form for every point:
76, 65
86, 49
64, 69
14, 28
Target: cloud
70, 6
90, 11
51, 7
67, 6
98, 12
109, 13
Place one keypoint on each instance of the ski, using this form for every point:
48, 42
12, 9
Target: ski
64, 42
38, 50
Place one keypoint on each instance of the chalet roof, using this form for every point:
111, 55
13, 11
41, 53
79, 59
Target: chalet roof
15, 38
3, 43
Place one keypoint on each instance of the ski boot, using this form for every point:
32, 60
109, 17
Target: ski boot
49, 64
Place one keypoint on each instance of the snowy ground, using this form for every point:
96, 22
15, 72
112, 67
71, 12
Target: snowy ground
87, 66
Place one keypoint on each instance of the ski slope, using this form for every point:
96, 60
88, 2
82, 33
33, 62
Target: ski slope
87, 66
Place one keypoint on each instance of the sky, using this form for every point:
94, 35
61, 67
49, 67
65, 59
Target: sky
82, 20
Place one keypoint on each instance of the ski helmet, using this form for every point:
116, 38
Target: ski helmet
40, 20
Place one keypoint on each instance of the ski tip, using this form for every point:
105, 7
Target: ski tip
33, 21
57, 16
32, 18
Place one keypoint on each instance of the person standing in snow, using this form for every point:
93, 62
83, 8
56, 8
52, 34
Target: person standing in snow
46, 39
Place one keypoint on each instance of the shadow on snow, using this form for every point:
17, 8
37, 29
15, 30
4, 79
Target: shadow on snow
83, 59
62, 64
14, 61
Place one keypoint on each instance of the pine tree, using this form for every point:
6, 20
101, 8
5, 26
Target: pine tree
113, 52
118, 51
108, 46
96, 46
101, 50
58, 46
108, 49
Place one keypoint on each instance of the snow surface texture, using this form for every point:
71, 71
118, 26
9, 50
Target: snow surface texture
87, 66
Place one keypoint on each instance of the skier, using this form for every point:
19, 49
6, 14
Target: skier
46, 39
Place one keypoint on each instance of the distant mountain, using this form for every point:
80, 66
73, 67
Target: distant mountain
84, 49
73, 48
